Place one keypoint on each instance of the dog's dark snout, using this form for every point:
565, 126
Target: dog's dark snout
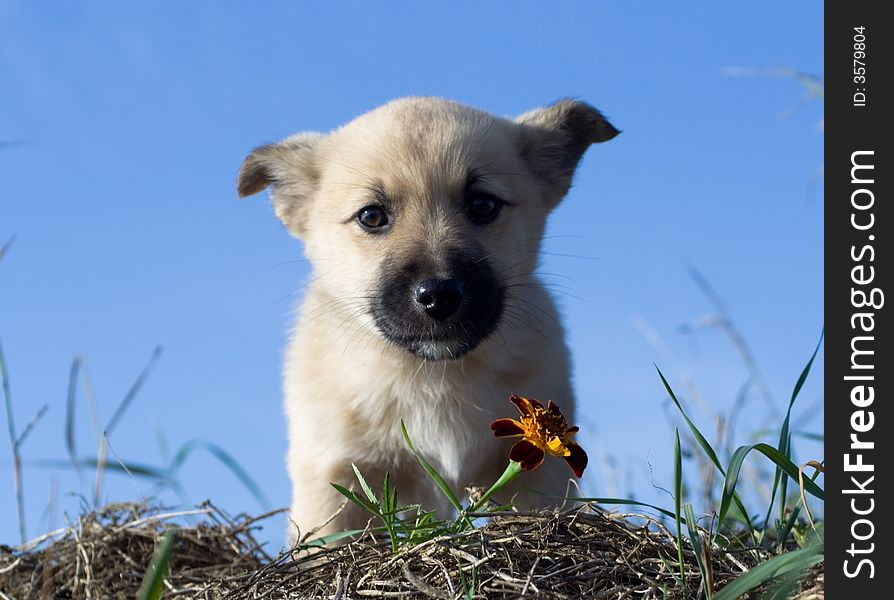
439, 297
438, 310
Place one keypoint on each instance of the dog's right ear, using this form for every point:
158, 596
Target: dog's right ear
290, 169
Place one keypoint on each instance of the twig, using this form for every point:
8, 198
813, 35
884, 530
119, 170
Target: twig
134, 389
166, 516
10, 566
70, 415
32, 424
6, 246
819, 468
725, 323
14, 442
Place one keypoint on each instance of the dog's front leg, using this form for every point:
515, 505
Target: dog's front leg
317, 508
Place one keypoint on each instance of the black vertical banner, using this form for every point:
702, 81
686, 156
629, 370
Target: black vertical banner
859, 168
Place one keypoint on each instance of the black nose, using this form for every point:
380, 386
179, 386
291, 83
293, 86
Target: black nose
439, 297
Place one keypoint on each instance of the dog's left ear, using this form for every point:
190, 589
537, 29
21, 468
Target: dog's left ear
553, 140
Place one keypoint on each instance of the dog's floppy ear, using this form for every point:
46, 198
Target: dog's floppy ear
290, 169
554, 138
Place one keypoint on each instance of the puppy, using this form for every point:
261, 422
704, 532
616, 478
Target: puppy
422, 220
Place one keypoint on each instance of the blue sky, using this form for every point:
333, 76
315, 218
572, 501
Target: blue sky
130, 123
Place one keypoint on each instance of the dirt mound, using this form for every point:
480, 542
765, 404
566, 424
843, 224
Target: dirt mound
580, 553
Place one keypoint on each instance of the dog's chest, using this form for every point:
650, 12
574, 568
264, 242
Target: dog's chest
447, 416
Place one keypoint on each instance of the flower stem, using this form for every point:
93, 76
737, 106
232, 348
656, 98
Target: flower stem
512, 471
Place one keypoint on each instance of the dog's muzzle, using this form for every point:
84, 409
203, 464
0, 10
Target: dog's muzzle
438, 314
440, 298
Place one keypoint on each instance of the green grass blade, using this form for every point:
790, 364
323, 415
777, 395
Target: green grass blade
729, 484
153, 580
706, 446
371, 507
709, 452
431, 472
678, 496
622, 501
808, 435
403, 508
785, 586
801, 379
785, 437
790, 469
141, 470
781, 461
337, 537
797, 561
789, 524
365, 486
696, 539
357, 499
389, 495
424, 527
793, 518
783, 481
426, 521
467, 586
226, 459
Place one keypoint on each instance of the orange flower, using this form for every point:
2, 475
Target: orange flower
543, 430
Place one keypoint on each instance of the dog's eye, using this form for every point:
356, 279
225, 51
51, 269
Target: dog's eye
372, 217
483, 208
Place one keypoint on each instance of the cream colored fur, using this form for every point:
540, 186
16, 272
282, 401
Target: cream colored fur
346, 387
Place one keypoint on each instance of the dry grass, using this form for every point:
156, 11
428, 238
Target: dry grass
581, 553
105, 554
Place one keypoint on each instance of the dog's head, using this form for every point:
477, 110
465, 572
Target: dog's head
421, 216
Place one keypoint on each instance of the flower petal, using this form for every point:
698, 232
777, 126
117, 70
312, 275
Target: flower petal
577, 459
572, 429
527, 454
507, 428
557, 446
522, 404
553, 408
536, 403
